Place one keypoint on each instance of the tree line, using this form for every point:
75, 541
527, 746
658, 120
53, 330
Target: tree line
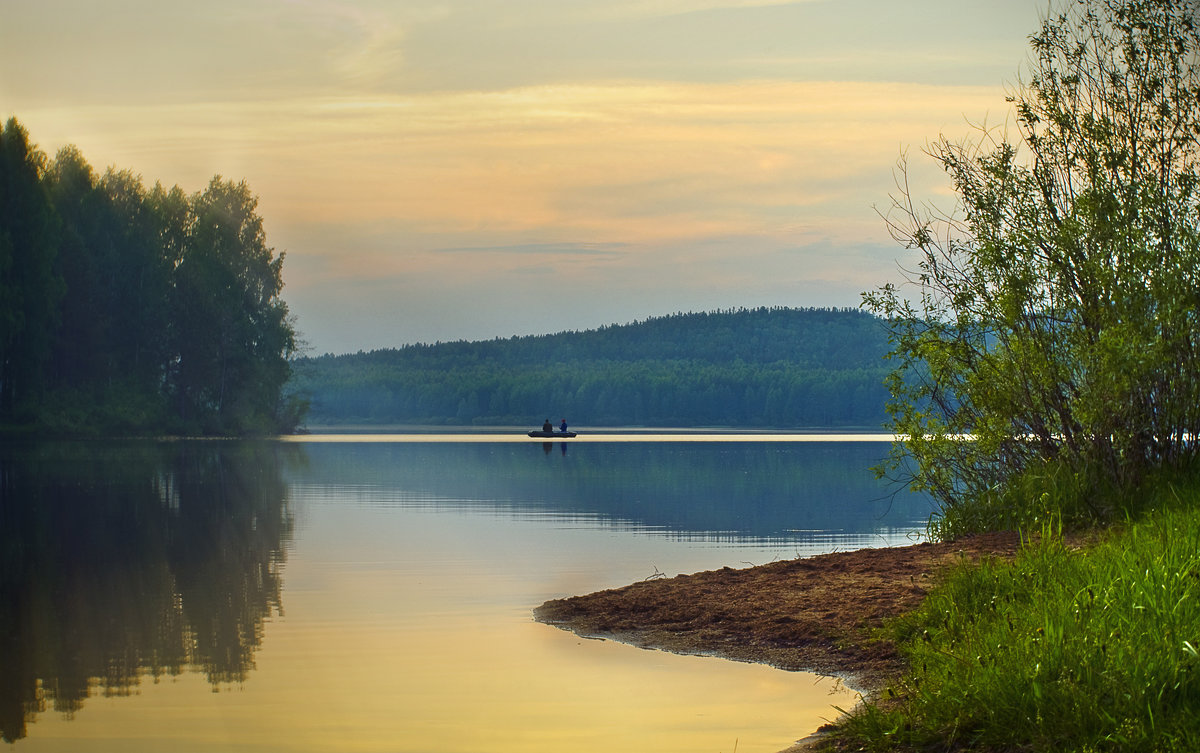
129, 309
765, 367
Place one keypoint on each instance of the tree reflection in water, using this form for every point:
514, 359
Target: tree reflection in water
120, 561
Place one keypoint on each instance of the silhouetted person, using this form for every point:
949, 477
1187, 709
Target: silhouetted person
547, 426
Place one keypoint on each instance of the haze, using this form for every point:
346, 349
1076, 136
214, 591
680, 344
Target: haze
473, 169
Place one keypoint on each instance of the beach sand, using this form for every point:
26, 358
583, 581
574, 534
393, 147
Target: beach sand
813, 614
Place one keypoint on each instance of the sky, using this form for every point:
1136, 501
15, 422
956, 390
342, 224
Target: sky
440, 170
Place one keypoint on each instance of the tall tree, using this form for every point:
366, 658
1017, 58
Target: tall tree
1055, 315
233, 335
141, 281
118, 304
30, 290
110, 353
82, 353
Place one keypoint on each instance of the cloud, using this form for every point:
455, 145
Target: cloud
642, 9
611, 163
414, 157
496, 46
365, 44
608, 250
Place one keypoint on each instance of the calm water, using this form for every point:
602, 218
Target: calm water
375, 593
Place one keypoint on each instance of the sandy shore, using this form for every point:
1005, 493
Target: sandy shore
813, 614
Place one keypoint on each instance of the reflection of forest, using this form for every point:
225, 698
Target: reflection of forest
130, 560
701, 490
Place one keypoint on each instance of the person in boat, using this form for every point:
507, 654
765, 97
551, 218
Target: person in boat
547, 426
563, 426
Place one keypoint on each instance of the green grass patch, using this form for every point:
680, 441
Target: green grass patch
1046, 493
1061, 649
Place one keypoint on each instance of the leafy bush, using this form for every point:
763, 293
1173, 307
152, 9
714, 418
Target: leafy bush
1052, 319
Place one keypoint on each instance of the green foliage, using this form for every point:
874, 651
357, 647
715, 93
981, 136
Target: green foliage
131, 311
1050, 491
232, 335
763, 367
30, 287
1061, 650
1055, 317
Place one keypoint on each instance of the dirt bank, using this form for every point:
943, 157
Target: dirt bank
810, 614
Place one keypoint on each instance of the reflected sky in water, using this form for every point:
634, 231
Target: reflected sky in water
739, 492
408, 572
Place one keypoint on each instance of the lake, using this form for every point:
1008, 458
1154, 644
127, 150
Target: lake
374, 592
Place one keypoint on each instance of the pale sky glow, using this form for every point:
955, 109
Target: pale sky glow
473, 168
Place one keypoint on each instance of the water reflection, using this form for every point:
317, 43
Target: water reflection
726, 491
411, 579
127, 560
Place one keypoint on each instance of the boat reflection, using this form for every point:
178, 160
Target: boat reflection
122, 561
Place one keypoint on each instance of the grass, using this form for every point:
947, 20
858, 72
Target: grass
1046, 493
1061, 649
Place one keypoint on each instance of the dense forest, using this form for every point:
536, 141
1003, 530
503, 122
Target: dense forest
125, 309
766, 367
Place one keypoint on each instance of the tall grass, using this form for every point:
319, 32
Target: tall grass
1049, 492
1062, 649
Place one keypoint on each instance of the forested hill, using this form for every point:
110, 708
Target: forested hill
776, 367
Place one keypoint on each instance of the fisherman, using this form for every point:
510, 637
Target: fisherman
548, 426
563, 426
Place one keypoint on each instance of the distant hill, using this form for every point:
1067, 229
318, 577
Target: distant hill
765, 367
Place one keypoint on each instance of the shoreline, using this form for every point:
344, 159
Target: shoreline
815, 614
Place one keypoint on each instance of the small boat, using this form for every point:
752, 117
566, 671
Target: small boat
552, 434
